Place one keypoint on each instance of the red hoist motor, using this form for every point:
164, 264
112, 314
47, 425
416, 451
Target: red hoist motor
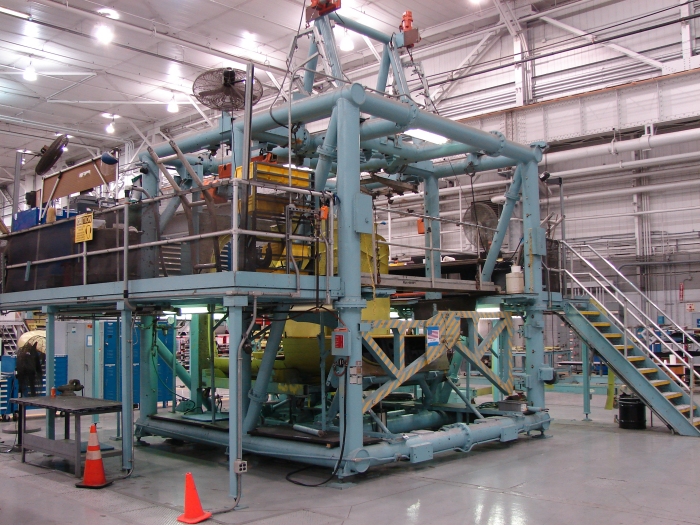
410, 33
318, 8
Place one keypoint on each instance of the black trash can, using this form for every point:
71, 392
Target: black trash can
632, 413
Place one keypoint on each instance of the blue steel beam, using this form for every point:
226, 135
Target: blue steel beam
349, 269
535, 248
360, 28
258, 393
512, 197
127, 365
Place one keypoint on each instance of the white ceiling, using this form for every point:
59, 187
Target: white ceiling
80, 78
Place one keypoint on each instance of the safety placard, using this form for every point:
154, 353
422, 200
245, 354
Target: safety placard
83, 227
432, 336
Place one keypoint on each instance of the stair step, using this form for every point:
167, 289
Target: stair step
589, 312
612, 336
660, 382
672, 395
684, 408
696, 421
633, 358
647, 370
601, 324
622, 347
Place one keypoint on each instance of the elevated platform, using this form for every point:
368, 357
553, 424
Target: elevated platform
268, 287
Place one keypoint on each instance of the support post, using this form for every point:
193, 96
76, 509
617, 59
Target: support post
351, 304
383, 74
150, 182
50, 312
431, 199
127, 368
15, 185
535, 248
512, 197
148, 398
586, 371
258, 393
235, 419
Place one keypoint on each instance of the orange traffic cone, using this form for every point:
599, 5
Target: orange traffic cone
94, 475
194, 513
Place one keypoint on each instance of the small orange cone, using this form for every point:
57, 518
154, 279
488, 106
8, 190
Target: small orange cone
94, 475
194, 513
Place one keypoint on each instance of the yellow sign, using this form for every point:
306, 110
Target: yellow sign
83, 227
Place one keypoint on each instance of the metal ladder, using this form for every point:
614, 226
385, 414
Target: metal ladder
601, 313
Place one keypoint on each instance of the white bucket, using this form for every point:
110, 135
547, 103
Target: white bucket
515, 281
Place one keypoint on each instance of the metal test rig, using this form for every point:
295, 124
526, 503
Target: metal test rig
259, 242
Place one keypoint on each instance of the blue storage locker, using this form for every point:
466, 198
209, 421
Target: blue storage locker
112, 363
9, 387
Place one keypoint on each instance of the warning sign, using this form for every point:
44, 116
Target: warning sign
432, 337
83, 227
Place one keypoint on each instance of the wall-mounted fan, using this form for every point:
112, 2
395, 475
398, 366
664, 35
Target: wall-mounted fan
224, 89
51, 154
482, 214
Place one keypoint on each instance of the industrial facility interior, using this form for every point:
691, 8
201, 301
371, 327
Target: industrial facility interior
349, 261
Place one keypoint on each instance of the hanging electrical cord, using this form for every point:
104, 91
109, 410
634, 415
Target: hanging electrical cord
288, 477
289, 70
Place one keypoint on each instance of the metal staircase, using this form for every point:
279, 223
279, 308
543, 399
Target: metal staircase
601, 314
10, 332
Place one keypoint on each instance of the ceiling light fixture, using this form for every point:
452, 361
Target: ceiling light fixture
109, 13
172, 106
426, 135
16, 14
110, 116
346, 43
475, 2
103, 34
30, 73
110, 127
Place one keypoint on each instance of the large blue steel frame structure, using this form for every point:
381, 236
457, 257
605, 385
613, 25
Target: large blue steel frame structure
335, 151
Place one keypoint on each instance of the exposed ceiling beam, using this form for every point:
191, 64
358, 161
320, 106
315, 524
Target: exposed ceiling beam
615, 47
468, 63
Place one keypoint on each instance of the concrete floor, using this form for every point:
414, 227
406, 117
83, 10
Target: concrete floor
587, 473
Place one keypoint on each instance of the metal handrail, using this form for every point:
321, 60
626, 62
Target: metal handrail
646, 320
627, 331
642, 294
631, 334
649, 321
234, 230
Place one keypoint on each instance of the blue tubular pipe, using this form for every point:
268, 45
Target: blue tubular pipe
167, 356
403, 113
206, 140
458, 436
309, 74
324, 27
361, 29
259, 392
512, 196
349, 268
475, 164
326, 153
307, 110
383, 74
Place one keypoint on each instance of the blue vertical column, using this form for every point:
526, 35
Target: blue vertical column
127, 386
351, 304
586, 370
535, 246
431, 198
148, 395
512, 197
235, 417
50, 312
149, 256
